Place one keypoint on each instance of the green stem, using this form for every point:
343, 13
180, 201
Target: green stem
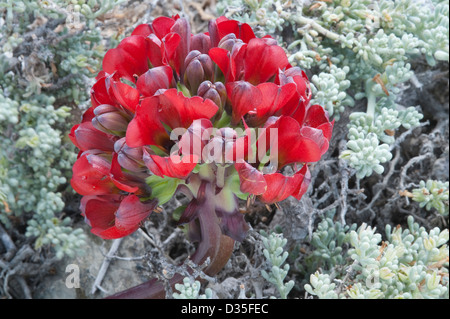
224, 121
303, 20
371, 98
213, 242
220, 175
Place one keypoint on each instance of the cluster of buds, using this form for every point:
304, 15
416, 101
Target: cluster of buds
217, 116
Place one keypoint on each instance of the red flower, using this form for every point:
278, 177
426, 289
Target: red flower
91, 178
222, 26
196, 112
129, 58
291, 143
115, 216
86, 137
174, 37
173, 166
244, 98
110, 90
169, 109
157, 78
242, 65
95, 174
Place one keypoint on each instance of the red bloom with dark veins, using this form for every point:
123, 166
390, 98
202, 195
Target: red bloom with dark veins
115, 216
174, 111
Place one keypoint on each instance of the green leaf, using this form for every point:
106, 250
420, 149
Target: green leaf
176, 214
234, 184
163, 188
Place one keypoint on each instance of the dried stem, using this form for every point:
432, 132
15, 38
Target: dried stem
104, 267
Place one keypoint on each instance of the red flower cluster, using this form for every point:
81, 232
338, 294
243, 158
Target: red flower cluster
162, 79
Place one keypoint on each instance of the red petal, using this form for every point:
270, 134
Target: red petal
155, 51
87, 180
99, 93
280, 187
144, 29
317, 117
299, 113
145, 128
239, 150
120, 179
275, 99
293, 146
100, 75
132, 212
155, 79
125, 95
170, 44
270, 59
88, 115
222, 58
237, 63
252, 180
128, 59
162, 25
242, 30
183, 29
111, 217
171, 108
176, 110
173, 166
86, 137
296, 144
72, 136
303, 187
327, 129
99, 210
244, 98
299, 77
317, 137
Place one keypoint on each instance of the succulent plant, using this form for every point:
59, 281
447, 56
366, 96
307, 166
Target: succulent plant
197, 114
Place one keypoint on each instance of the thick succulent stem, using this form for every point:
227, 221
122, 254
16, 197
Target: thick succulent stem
371, 98
213, 245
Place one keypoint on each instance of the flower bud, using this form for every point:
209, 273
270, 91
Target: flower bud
157, 78
199, 67
230, 42
220, 147
215, 92
110, 119
130, 158
201, 42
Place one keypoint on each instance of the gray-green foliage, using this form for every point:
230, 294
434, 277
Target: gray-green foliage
410, 263
329, 241
432, 194
275, 257
48, 51
360, 49
190, 289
